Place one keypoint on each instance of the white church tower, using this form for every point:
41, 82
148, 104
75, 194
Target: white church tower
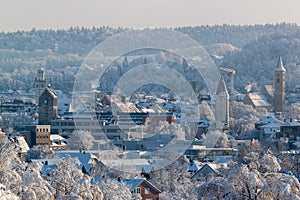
222, 106
40, 84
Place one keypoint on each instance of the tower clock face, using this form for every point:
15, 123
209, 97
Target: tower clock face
45, 101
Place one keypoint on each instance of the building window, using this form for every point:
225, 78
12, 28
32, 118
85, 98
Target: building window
147, 190
137, 190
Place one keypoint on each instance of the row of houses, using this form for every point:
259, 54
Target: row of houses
139, 187
273, 130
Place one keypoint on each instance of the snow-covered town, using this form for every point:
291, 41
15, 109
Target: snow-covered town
188, 112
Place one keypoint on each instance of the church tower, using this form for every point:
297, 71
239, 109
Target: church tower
48, 106
40, 84
222, 106
279, 92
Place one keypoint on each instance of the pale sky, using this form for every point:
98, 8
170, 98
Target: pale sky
43, 14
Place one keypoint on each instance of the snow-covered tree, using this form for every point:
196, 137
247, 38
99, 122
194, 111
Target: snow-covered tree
243, 183
205, 111
34, 186
293, 111
9, 164
6, 194
113, 189
65, 176
214, 189
216, 139
269, 163
243, 117
248, 153
174, 180
39, 152
81, 139
68, 180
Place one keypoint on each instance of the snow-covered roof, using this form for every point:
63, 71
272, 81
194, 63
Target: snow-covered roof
56, 137
271, 125
269, 89
207, 168
132, 183
139, 165
269, 120
261, 103
256, 96
291, 122
84, 158
194, 166
47, 169
22, 144
259, 100
50, 161
203, 125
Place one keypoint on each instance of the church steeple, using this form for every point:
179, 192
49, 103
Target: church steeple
280, 66
222, 89
279, 92
222, 106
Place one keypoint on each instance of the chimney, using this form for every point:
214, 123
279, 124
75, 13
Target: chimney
119, 179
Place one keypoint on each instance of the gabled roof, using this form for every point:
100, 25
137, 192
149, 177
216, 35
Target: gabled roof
205, 170
268, 120
270, 90
132, 183
271, 125
84, 158
280, 66
258, 99
50, 91
193, 166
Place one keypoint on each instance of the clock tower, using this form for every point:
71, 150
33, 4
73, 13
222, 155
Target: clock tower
47, 106
40, 84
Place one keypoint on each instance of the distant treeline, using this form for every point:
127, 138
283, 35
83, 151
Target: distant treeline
82, 40
252, 50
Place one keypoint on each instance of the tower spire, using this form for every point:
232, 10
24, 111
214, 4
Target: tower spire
222, 89
280, 66
222, 106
